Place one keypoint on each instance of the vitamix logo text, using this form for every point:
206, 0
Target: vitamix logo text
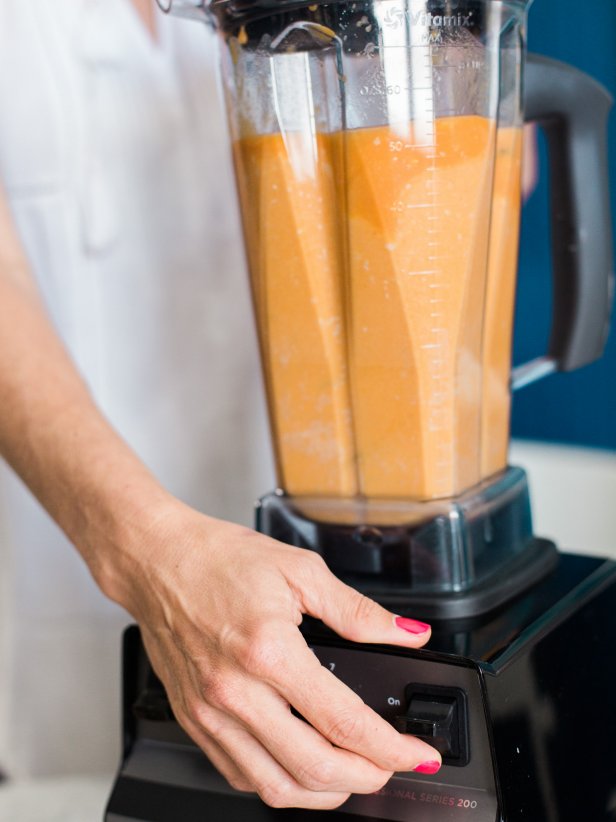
396, 17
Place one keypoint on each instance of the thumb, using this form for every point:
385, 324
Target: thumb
356, 617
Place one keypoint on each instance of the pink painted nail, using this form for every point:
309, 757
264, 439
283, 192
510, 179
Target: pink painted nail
412, 626
428, 767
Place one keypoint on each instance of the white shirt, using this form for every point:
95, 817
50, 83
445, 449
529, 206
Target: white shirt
114, 155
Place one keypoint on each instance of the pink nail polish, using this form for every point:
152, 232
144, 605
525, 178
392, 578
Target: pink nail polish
428, 767
412, 626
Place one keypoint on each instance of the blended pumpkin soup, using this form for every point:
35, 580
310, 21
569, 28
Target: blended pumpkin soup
369, 257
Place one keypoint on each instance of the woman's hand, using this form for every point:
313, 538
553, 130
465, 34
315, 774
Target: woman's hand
219, 608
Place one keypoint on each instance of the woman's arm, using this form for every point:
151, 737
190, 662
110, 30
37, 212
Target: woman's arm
219, 605
54, 436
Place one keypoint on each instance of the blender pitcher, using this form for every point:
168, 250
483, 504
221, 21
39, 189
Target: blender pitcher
377, 147
365, 144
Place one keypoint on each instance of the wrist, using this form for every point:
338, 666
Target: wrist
121, 536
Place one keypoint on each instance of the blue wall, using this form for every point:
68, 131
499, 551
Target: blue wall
579, 407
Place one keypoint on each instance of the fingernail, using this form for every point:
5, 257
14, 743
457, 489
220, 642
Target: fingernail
428, 767
412, 626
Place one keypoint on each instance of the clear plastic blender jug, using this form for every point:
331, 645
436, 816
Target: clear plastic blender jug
373, 142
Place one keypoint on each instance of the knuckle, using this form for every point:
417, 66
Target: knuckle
264, 651
363, 609
345, 729
314, 561
319, 775
206, 719
311, 570
239, 783
194, 710
221, 693
276, 794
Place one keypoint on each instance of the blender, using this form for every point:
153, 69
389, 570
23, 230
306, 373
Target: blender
378, 148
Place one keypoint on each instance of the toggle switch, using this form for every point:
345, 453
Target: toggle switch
438, 715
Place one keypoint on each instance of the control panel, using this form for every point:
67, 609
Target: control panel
440, 702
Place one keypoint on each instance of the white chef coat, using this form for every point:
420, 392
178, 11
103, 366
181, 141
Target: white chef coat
114, 155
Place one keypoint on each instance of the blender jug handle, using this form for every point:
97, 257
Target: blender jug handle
572, 110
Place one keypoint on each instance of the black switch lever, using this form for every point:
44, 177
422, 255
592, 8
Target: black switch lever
433, 718
438, 715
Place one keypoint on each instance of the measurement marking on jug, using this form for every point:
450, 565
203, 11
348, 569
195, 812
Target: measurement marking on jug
412, 146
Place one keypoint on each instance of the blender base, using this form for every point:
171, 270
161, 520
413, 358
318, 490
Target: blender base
534, 726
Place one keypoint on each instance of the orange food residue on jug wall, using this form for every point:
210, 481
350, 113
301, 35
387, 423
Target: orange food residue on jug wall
369, 261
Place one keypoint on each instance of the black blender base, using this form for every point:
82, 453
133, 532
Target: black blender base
528, 734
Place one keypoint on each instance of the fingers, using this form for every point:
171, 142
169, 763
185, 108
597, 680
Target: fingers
279, 656
302, 751
349, 613
237, 750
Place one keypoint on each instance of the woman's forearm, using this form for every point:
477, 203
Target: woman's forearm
56, 439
